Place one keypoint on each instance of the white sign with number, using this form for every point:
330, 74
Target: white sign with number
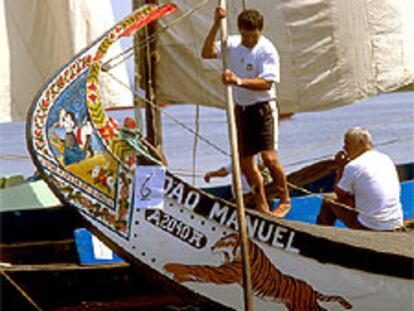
149, 187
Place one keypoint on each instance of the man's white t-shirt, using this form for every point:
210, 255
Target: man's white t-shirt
260, 61
373, 180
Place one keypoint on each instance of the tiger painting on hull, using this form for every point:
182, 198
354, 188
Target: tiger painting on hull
267, 281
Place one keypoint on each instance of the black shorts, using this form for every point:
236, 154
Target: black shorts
255, 128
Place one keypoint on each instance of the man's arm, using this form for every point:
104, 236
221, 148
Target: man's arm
344, 197
258, 84
341, 159
221, 172
208, 50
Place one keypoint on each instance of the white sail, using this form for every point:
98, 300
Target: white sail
39, 36
332, 52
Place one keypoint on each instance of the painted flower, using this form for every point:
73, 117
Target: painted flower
110, 219
84, 201
122, 212
102, 176
107, 131
37, 132
124, 191
44, 103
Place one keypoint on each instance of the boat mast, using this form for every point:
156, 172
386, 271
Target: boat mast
248, 304
146, 67
138, 102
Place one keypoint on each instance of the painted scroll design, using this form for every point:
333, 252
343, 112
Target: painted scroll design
115, 144
96, 179
268, 282
80, 166
47, 99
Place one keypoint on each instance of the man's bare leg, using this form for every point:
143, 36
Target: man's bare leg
326, 216
331, 211
255, 179
277, 171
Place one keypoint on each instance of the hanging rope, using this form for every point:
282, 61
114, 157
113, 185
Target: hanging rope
199, 68
195, 142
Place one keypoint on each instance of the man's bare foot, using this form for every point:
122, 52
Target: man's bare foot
266, 212
282, 209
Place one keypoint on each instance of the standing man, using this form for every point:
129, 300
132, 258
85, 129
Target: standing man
254, 70
366, 181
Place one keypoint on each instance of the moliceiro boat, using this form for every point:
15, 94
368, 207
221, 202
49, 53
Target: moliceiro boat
186, 238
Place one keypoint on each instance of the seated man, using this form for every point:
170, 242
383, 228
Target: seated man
367, 182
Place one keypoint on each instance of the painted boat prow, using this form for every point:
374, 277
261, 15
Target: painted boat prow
190, 242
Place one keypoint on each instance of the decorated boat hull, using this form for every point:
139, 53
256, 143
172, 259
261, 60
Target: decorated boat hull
185, 237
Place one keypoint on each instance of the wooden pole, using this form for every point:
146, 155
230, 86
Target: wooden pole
138, 102
148, 81
248, 304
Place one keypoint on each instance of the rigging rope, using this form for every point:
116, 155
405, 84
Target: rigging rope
329, 156
195, 142
183, 125
199, 69
195, 132
298, 151
150, 39
345, 206
400, 119
130, 51
333, 141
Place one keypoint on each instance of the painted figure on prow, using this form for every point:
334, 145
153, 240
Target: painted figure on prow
367, 187
72, 151
253, 72
84, 138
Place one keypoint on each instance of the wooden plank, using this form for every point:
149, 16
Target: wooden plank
153, 301
78, 287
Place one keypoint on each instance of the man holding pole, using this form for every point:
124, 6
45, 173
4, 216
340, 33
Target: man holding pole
253, 71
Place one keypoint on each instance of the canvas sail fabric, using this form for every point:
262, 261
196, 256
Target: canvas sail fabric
332, 52
38, 37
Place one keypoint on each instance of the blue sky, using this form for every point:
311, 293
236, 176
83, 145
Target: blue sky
121, 8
